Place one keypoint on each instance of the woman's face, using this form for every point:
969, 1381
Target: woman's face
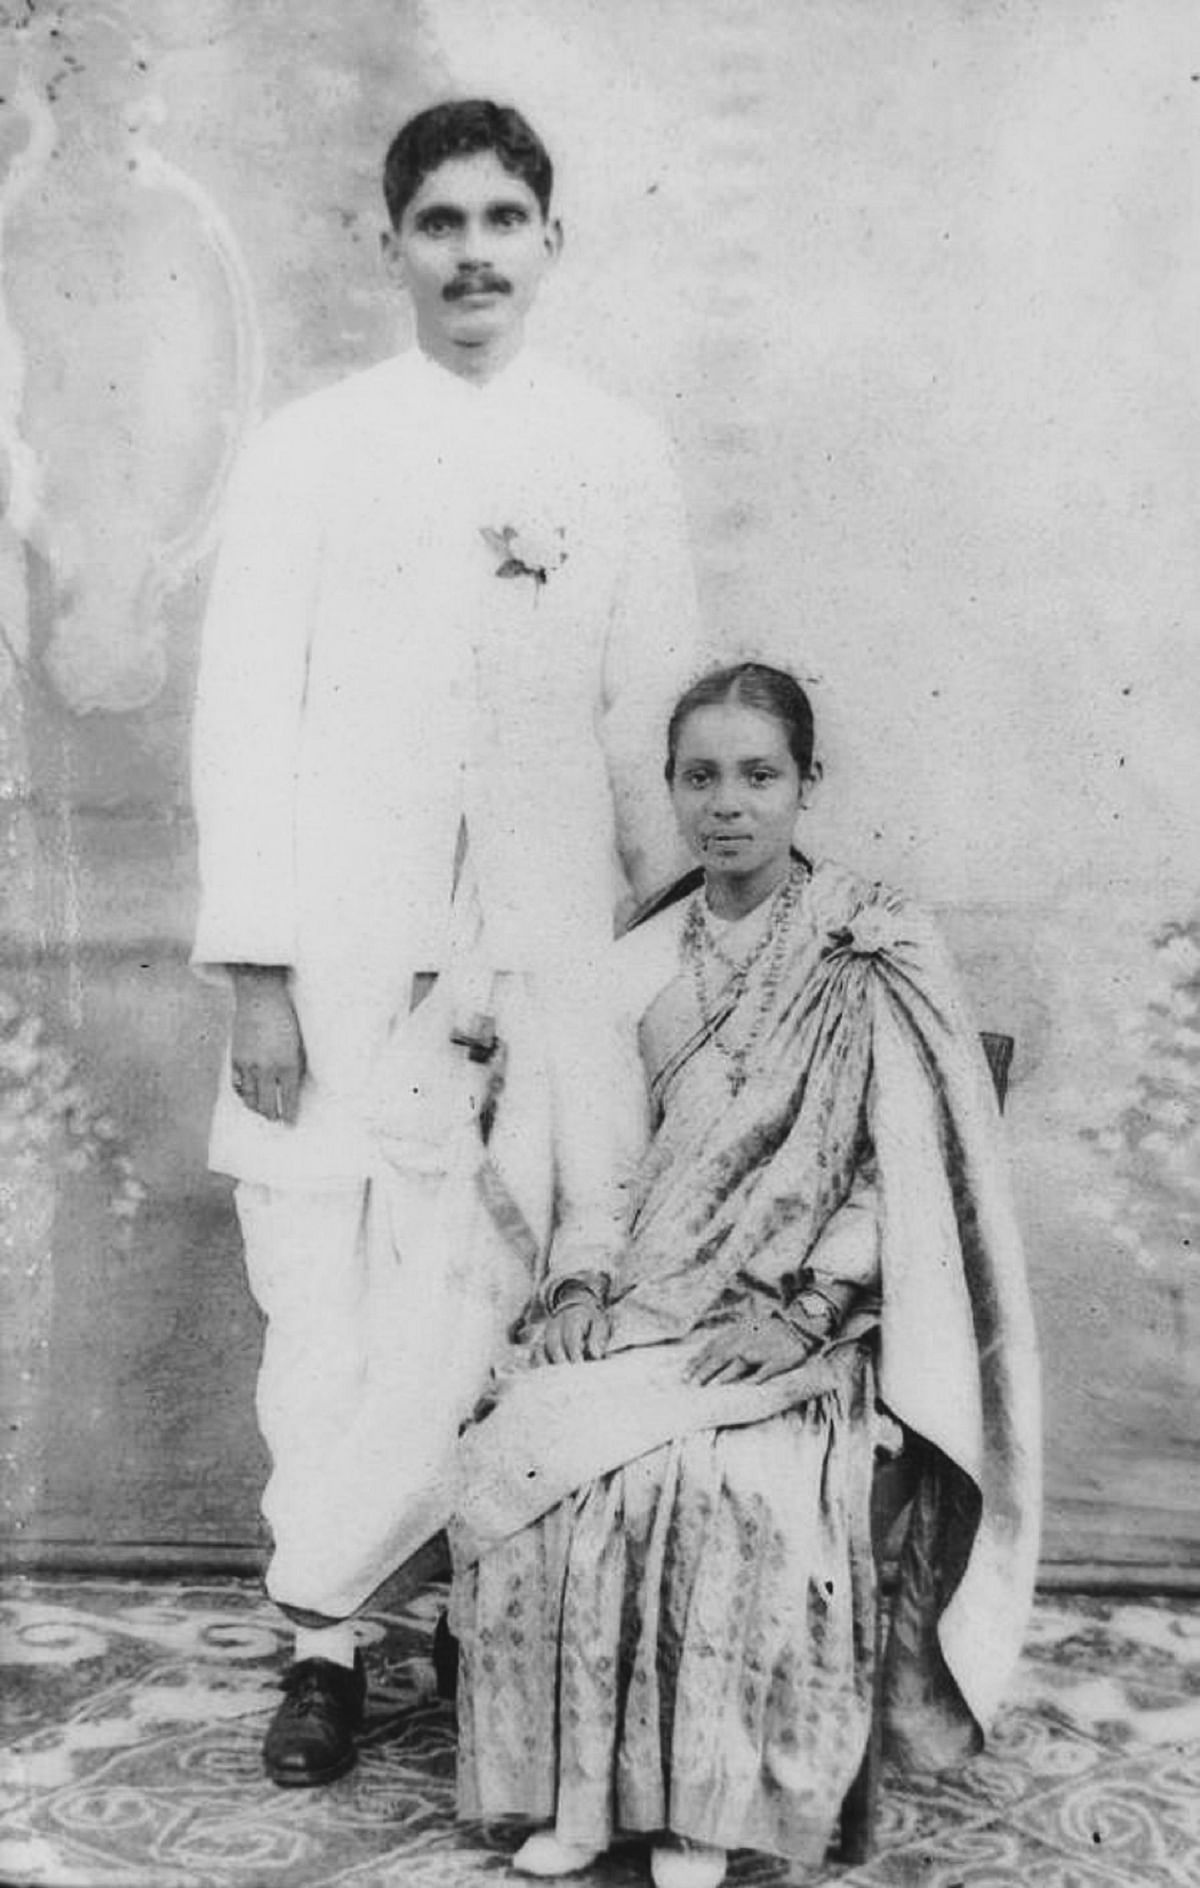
736, 792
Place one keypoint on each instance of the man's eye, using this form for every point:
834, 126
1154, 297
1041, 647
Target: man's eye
511, 216
762, 776
436, 225
695, 779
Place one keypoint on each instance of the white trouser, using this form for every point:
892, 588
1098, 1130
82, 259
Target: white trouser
308, 1266
388, 1302
386, 1306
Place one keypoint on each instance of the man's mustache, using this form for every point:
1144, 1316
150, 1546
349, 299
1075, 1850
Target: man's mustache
483, 284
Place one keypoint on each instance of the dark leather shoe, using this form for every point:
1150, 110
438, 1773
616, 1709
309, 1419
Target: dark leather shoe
311, 1736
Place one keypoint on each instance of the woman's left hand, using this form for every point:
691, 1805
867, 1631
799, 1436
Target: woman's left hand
753, 1345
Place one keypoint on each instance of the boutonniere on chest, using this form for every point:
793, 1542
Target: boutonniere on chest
534, 554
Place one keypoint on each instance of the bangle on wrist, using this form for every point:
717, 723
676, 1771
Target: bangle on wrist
561, 1294
814, 1313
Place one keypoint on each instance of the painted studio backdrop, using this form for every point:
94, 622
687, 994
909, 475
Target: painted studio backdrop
915, 290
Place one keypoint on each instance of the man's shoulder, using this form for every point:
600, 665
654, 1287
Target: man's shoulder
303, 446
608, 417
354, 398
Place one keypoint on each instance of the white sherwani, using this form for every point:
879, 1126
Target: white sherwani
370, 684
368, 680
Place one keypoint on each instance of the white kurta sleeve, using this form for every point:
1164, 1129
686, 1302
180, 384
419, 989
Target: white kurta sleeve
249, 703
600, 1122
653, 652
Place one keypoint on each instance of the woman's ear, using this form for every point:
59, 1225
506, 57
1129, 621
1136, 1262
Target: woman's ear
810, 783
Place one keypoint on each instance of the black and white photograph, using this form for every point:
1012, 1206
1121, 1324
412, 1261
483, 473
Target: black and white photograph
599, 943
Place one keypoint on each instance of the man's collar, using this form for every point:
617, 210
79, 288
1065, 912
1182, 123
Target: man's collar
517, 376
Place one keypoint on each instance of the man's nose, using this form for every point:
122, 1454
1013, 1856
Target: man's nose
473, 248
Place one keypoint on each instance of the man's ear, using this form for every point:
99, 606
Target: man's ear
393, 257
554, 238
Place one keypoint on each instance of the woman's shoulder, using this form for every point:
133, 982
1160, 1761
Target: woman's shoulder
839, 892
871, 915
648, 955
648, 936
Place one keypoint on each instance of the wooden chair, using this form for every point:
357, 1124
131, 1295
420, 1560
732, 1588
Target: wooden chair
891, 1493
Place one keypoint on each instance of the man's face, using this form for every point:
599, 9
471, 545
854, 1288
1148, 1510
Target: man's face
472, 249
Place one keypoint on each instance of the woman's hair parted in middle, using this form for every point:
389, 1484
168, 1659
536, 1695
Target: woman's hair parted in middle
750, 685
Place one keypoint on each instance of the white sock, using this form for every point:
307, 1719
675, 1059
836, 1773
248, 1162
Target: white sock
337, 1643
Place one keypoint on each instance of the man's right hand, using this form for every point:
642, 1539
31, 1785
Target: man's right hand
268, 1050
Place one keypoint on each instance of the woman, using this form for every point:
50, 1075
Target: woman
664, 1591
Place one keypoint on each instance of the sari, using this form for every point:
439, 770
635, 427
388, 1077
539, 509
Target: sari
664, 1591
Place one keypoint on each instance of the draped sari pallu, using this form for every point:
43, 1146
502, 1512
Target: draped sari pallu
866, 1042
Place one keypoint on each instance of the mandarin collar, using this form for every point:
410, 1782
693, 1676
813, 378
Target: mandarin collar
516, 379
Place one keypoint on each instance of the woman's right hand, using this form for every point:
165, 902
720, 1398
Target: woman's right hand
753, 1345
578, 1332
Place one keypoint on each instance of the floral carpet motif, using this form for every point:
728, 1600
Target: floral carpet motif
133, 1714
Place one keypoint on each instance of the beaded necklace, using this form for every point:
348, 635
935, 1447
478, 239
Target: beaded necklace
700, 945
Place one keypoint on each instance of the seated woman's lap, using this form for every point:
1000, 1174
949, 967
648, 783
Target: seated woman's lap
694, 1628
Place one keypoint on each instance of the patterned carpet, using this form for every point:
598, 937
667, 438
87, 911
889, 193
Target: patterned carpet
133, 1714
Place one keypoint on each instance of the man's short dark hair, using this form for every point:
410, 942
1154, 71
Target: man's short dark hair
462, 128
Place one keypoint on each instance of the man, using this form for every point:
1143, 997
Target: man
452, 609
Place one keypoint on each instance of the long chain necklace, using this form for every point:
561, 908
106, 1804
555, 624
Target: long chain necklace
700, 947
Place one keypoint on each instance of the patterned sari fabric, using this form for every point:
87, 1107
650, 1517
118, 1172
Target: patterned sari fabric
684, 1644
663, 1592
